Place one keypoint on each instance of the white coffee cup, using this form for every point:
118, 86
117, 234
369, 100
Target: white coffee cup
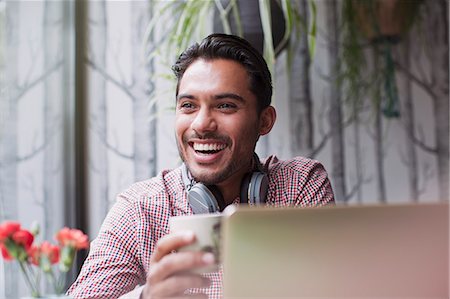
206, 228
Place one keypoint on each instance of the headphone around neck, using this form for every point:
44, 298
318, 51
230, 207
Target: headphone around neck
208, 199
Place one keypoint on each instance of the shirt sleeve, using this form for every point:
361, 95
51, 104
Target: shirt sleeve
316, 190
134, 294
112, 267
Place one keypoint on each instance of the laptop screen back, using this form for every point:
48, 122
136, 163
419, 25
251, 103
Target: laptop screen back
388, 251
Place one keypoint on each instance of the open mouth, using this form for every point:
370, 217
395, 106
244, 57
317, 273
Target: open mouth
208, 148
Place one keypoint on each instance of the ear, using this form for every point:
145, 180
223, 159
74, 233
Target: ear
267, 120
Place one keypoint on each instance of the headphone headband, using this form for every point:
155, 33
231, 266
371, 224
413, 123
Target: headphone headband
208, 199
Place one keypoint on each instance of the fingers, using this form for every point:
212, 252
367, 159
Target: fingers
196, 296
175, 286
169, 274
171, 242
178, 262
189, 296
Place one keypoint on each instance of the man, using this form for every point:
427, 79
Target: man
222, 108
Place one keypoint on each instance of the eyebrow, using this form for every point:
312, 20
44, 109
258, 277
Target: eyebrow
184, 95
217, 97
229, 96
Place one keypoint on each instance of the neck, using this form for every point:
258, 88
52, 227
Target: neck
230, 190
231, 187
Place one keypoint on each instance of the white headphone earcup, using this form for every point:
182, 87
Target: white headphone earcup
202, 200
257, 189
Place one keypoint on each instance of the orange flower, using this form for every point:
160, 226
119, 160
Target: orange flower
72, 238
8, 228
24, 238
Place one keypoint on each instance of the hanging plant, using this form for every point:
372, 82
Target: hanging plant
246, 22
267, 24
381, 23
384, 20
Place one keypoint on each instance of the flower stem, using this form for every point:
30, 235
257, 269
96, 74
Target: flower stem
56, 282
61, 283
35, 277
34, 288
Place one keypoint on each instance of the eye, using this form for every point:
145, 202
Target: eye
227, 106
186, 106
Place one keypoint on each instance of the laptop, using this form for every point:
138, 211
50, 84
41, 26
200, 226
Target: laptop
384, 251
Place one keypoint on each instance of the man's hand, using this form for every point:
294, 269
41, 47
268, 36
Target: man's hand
169, 274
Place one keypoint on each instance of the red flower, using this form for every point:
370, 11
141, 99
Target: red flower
51, 252
5, 253
72, 238
34, 254
23, 238
17, 244
8, 228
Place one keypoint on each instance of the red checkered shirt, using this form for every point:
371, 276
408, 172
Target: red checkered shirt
119, 257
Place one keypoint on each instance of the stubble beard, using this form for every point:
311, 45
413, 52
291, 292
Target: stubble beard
237, 161
215, 178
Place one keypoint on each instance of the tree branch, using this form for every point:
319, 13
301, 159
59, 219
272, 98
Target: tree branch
121, 85
419, 142
23, 89
34, 58
116, 56
427, 175
312, 154
38, 149
105, 142
30, 184
422, 145
416, 80
359, 183
325, 137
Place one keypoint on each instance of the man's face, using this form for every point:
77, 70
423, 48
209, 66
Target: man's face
217, 123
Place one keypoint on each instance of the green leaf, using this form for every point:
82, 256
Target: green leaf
45, 265
67, 258
287, 9
313, 31
265, 14
223, 16
237, 18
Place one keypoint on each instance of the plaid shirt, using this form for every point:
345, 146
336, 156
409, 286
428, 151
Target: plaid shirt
119, 257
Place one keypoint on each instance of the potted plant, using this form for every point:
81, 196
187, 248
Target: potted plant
266, 24
37, 260
246, 22
375, 24
381, 20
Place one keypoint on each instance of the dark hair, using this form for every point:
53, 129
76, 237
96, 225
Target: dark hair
224, 46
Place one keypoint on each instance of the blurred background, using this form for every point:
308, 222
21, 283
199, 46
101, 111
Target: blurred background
87, 98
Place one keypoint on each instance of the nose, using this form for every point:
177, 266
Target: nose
204, 121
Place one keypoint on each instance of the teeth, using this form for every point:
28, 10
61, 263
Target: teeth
208, 147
